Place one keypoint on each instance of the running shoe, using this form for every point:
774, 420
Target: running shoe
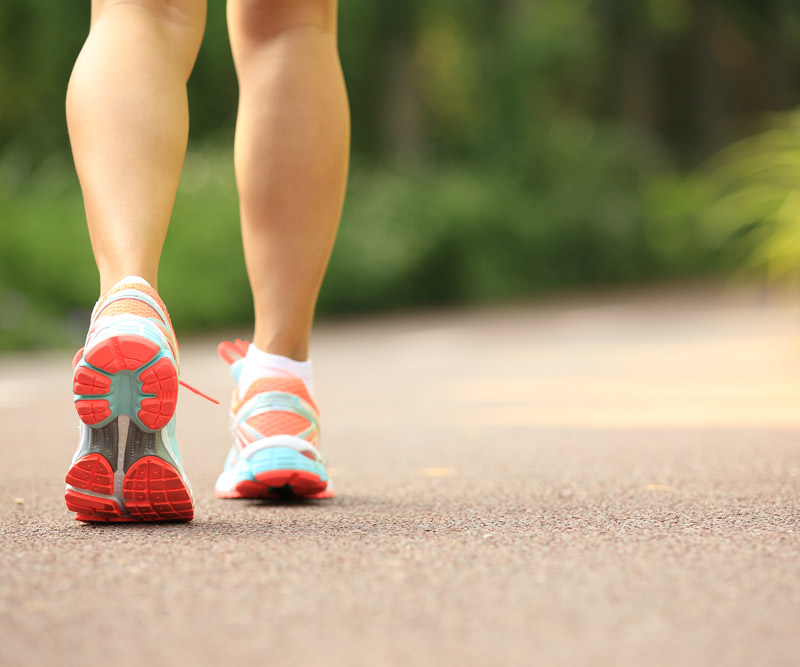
275, 424
127, 466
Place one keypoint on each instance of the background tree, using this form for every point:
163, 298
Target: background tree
500, 148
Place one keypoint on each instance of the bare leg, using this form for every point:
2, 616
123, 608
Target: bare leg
128, 123
291, 154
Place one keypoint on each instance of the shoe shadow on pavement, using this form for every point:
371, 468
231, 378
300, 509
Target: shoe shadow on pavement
286, 502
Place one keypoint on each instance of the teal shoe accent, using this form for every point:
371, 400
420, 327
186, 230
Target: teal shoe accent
277, 458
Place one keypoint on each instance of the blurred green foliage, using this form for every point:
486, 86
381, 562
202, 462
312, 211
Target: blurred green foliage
501, 148
753, 192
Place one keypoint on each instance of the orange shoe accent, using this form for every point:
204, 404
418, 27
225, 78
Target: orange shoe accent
154, 491
230, 352
129, 307
137, 307
289, 385
139, 287
278, 423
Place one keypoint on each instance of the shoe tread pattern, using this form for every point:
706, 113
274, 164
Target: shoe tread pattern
154, 382
152, 488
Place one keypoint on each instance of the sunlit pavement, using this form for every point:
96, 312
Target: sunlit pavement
588, 481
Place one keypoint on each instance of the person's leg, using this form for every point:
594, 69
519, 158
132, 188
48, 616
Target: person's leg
291, 156
292, 142
128, 123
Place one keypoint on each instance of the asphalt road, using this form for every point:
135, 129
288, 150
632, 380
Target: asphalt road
612, 481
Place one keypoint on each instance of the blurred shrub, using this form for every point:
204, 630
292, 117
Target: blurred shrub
590, 209
753, 193
46, 266
467, 233
500, 149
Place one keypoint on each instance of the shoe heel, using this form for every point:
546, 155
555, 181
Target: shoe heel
92, 509
154, 491
90, 493
126, 375
285, 470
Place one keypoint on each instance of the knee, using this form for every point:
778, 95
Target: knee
178, 15
180, 23
256, 21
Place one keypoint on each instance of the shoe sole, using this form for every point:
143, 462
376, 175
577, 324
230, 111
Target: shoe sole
281, 472
126, 375
152, 490
126, 381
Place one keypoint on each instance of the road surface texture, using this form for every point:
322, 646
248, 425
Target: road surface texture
612, 481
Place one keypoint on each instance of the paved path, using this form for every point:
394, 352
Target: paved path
609, 482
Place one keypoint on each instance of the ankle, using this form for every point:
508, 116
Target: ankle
110, 280
294, 348
259, 364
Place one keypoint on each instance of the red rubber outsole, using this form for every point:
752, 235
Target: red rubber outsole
160, 379
121, 353
155, 491
91, 509
159, 382
275, 484
152, 491
92, 473
92, 518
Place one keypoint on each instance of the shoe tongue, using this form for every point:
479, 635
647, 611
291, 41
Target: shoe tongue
236, 369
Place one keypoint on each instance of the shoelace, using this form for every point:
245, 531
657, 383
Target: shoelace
198, 392
229, 352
